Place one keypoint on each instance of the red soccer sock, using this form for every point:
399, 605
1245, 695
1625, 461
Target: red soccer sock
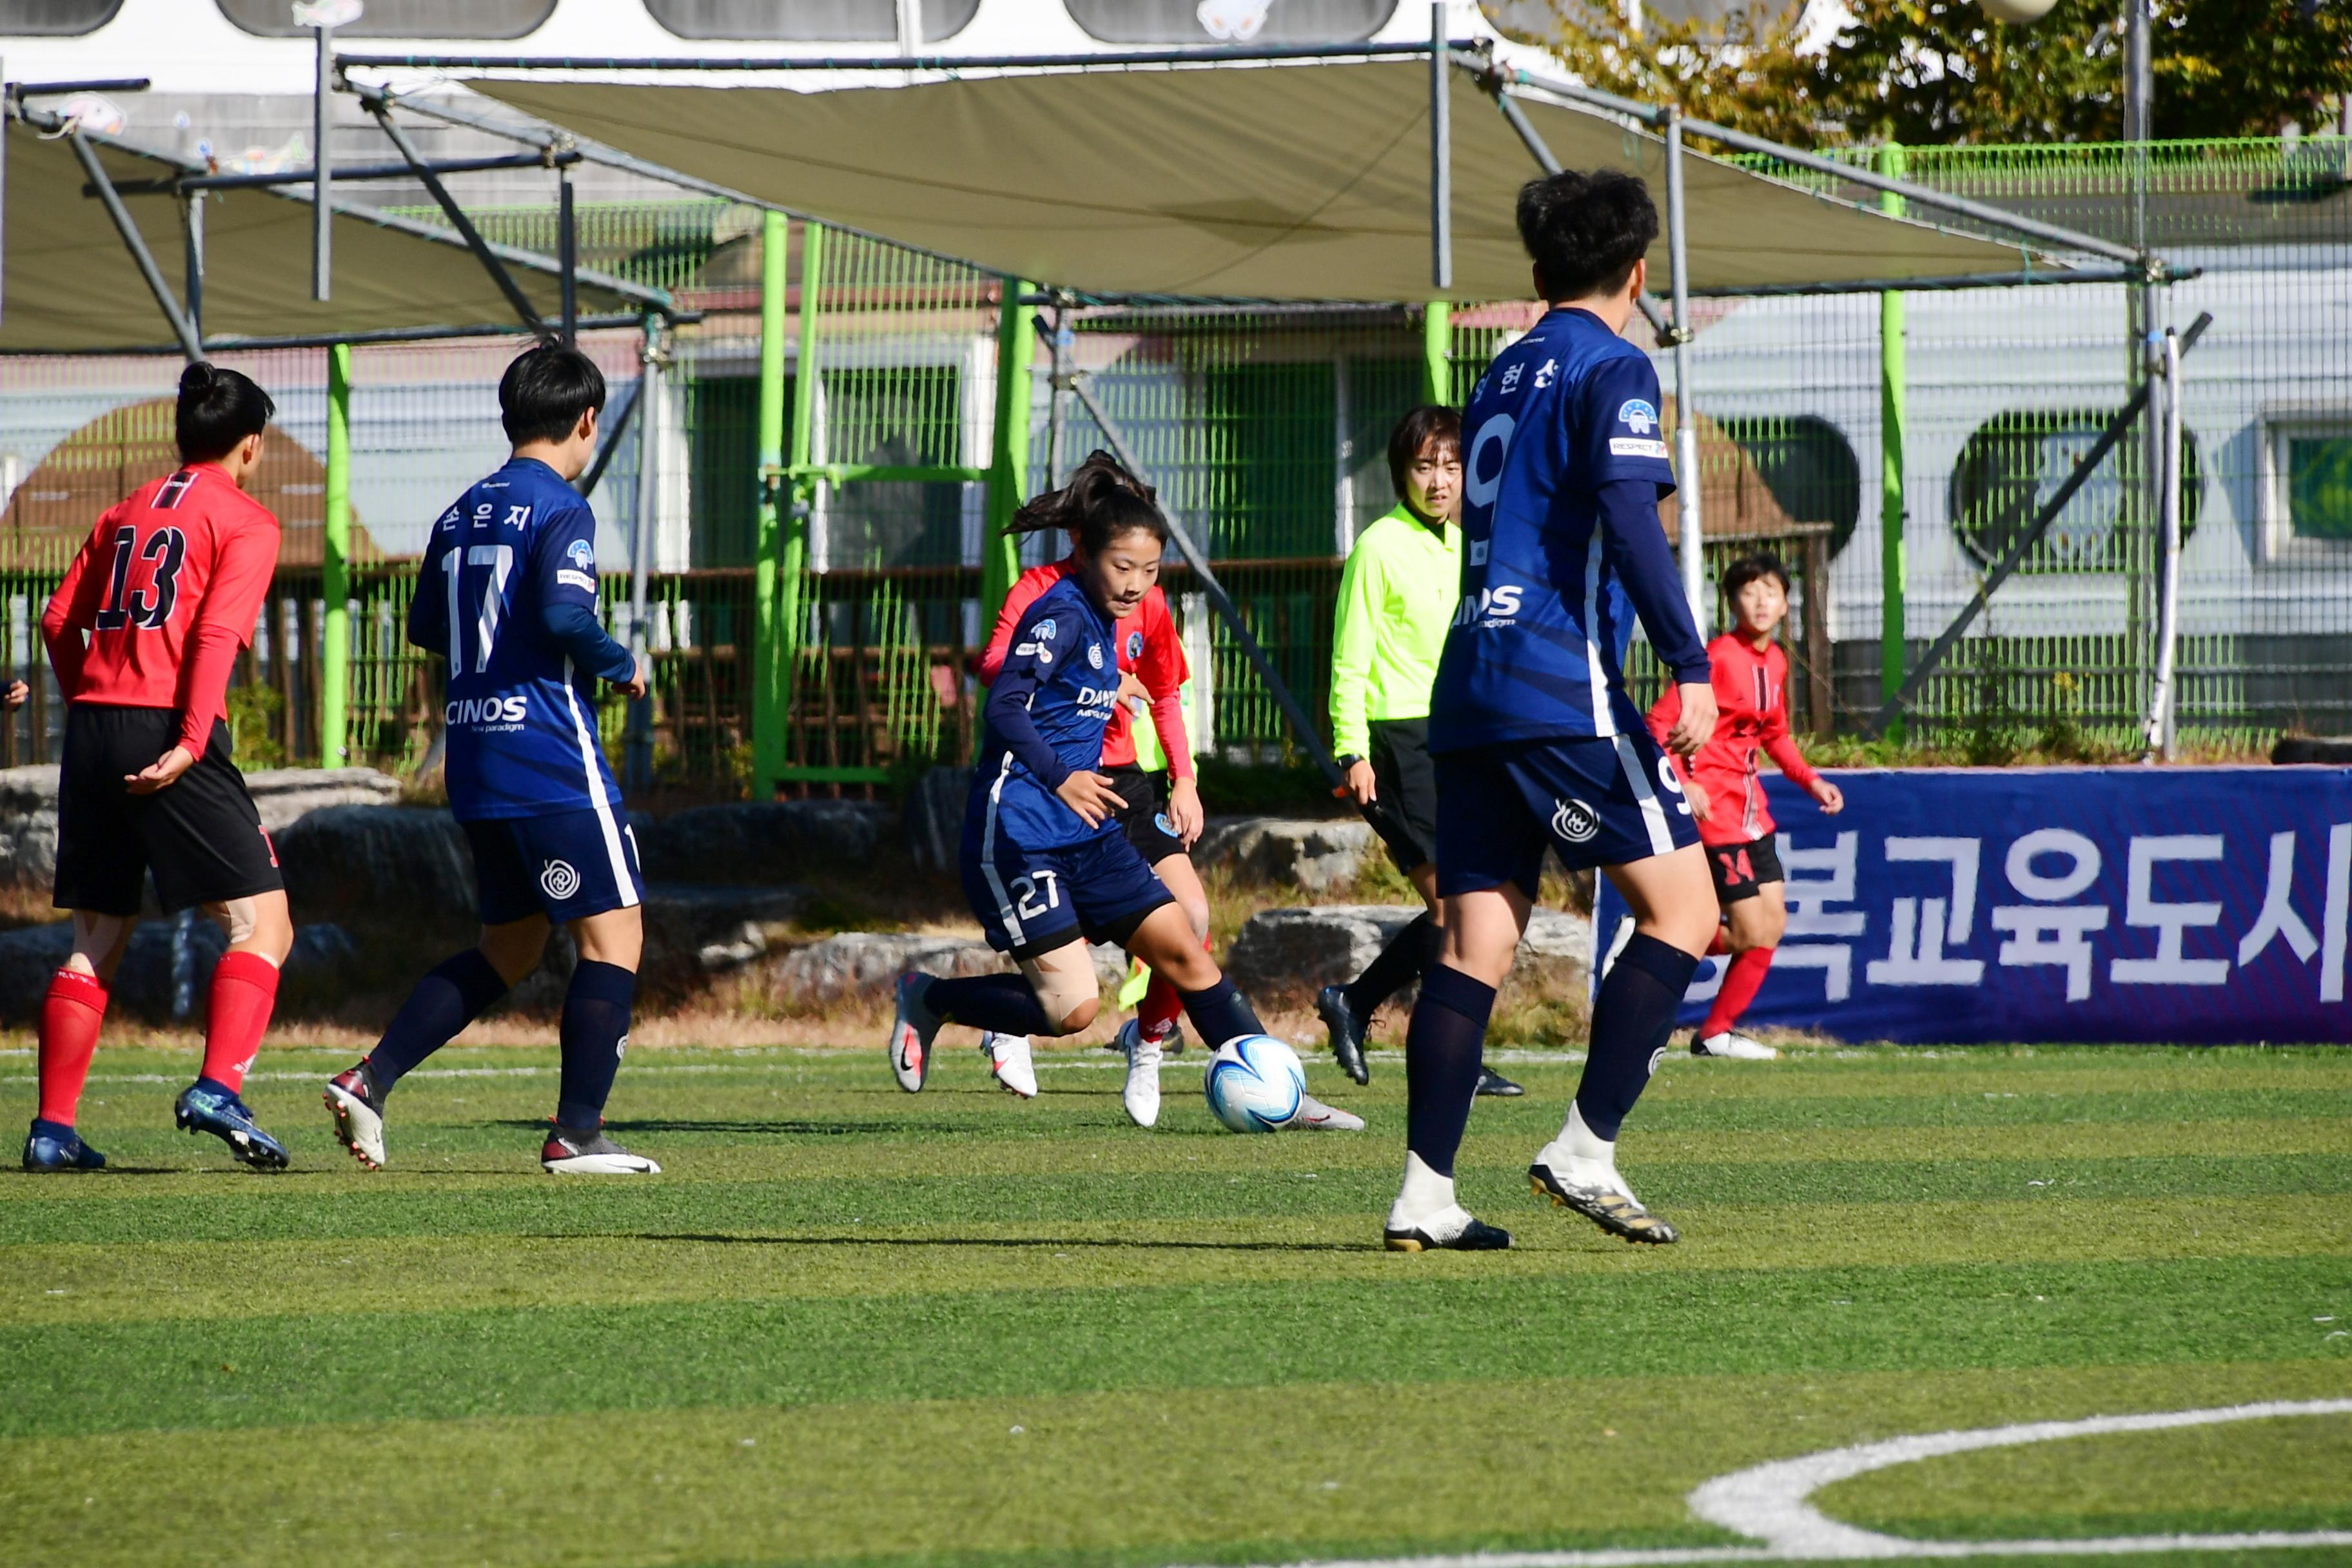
71, 1015
245, 989
1741, 981
1160, 1007
1720, 945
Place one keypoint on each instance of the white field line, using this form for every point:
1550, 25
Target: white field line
1772, 1504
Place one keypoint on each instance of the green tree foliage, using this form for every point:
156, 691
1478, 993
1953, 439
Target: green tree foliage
1932, 71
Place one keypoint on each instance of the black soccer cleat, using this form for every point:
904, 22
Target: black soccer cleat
1620, 1214
54, 1146
1495, 1084
1347, 1032
1477, 1235
205, 1108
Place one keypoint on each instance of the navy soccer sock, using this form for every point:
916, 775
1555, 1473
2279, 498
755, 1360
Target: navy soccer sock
594, 1031
1219, 1014
1443, 1048
1005, 1002
1407, 956
447, 999
1631, 1019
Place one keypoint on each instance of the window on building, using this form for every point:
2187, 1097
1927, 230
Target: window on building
2308, 469
1230, 21
401, 18
1807, 466
807, 21
54, 19
2016, 461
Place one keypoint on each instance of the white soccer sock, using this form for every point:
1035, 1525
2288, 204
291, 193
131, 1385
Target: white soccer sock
1579, 1149
1425, 1194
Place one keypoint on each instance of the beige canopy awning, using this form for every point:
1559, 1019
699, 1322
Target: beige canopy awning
68, 282
1293, 182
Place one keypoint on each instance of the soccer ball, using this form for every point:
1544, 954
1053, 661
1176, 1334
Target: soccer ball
1254, 1084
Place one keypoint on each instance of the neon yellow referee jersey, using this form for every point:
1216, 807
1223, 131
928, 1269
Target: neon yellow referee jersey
1396, 598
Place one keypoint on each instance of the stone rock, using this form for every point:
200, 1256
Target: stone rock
771, 842
1289, 952
285, 796
934, 818
865, 964
1313, 854
166, 969
698, 930
2325, 750
378, 863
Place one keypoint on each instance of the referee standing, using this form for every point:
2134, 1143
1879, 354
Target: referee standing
1396, 596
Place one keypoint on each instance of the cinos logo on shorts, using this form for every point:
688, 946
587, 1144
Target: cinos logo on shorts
487, 711
1574, 821
557, 879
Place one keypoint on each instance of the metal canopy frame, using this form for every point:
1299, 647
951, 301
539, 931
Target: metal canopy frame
1501, 83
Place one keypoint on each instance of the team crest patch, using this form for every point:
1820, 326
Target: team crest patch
583, 555
558, 880
1135, 645
1574, 822
1162, 823
1094, 654
1044, 630
1637, 415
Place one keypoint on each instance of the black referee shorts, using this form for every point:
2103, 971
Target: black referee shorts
1407, 780
200, 836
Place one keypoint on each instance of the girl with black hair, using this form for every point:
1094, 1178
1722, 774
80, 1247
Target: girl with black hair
1045, 863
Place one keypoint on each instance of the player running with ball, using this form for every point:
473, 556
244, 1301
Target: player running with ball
1045, 863
167, 589
1537, 746
507, 594
1751, 694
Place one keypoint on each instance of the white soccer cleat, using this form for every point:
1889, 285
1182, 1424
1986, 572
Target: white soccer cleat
1318, 1117
571, 1152
357, 1106
1733, 1045
911, 1035
1142, 1094
1009, 1063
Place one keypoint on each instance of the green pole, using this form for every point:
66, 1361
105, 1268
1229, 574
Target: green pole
1437, 352
1893, 508
334, 573
770, 634
1008, 457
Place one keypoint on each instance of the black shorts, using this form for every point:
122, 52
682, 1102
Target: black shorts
1740, 870
1406, 777
199, 835
1144, 817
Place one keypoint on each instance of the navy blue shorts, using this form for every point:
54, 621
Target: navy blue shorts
1034, 900
1591, 801
566, 865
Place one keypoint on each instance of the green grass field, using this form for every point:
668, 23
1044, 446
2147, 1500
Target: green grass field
851, 1325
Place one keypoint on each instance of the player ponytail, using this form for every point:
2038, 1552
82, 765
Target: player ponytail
1102, 502
217, 409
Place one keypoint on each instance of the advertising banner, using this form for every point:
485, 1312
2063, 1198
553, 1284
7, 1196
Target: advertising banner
2194, 905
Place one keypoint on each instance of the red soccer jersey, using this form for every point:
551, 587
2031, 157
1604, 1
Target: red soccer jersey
168, 587
1752, 698
1148, 648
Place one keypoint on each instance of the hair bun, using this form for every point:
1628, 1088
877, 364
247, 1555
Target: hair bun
198, 378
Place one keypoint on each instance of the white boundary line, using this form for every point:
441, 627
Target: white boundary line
1771, 1503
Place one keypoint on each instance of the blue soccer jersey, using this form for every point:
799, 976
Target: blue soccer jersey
1059, 685
1564, 460
507, 593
